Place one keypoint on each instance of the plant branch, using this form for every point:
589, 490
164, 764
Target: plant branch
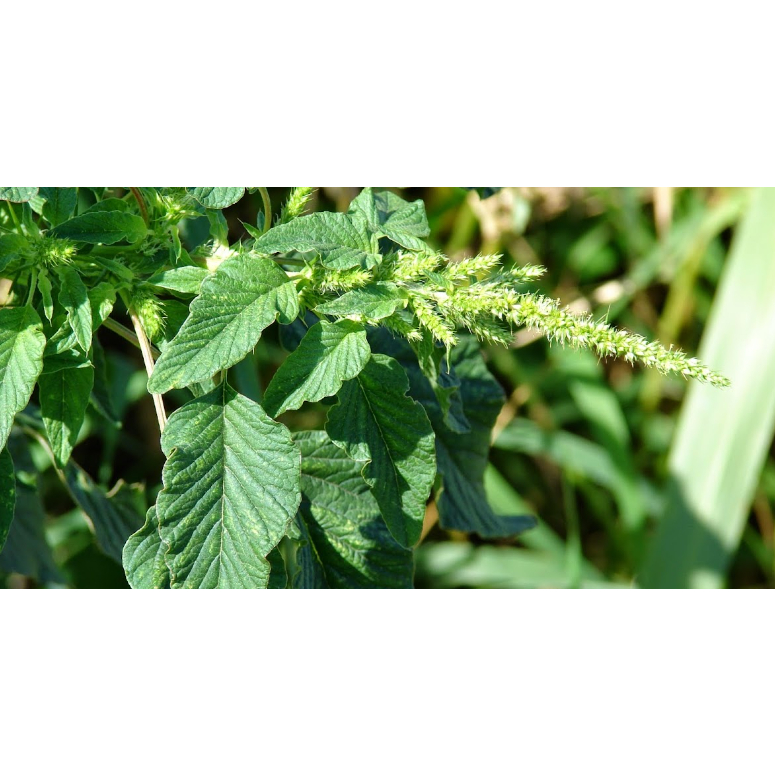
128, 334
145, 349
267, 209
141, 203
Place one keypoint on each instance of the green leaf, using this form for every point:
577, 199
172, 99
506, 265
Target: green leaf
59, 205
7, 494
143, 556
217, 198
64, 396
105, 227
231, 488
102, 297
17, 195
376, 423
45, 287
21, 361
278, 574
237, 302
74, 297
462, 457
373, 302
183, 279
101, 397
405, 223
328, 355
113, 518
347, 543
340, 240
12, 249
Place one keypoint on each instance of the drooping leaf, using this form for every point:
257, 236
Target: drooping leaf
64, 396
217, 198
17, 195
112, 517
74, 297
231, 487
328, 355
102, 297
7, 494
143, 556
59, 205
347, 545
236, 303
101, 397
341, 241
376, 423
21, 360
45, 288
105, 227
462, 457
405, 223
372, 302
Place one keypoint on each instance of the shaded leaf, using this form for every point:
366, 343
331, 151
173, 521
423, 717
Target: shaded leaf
217, 198
59, 205
105, 227
376, 423
373, 302
347, 545
75, 299
7, 494
143, 556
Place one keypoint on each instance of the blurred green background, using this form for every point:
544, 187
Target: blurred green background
636, 479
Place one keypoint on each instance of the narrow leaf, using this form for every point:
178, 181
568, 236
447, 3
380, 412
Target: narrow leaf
237, 302
21, 361
376, 423
105, 227
64, 396
328, 355
74, 297
347, 543
231, 488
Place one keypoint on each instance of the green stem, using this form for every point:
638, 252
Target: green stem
267, 209
126, 333
14, 218
33, 286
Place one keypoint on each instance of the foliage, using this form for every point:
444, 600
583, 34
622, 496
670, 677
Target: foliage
382, 332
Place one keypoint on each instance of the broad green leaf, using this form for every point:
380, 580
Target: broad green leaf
183, 279
21, 361
217, 198
7, 494
113, 519
143, 556
12, 249
104, 227
231, 488
376, 423
461, 457
236, 303
17, 195
328, 355
373, 302
340, 240
64, 396
723, 437
405, 223
102, 297
59, 205
74, 297
347, 543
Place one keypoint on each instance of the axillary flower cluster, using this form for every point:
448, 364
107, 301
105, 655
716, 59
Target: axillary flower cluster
489, 300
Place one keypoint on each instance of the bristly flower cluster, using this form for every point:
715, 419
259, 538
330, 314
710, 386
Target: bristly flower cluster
489, 300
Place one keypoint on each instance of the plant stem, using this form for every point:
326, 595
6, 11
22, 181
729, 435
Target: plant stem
33, 286
267, 209
14, 218
141, 203
128, 334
